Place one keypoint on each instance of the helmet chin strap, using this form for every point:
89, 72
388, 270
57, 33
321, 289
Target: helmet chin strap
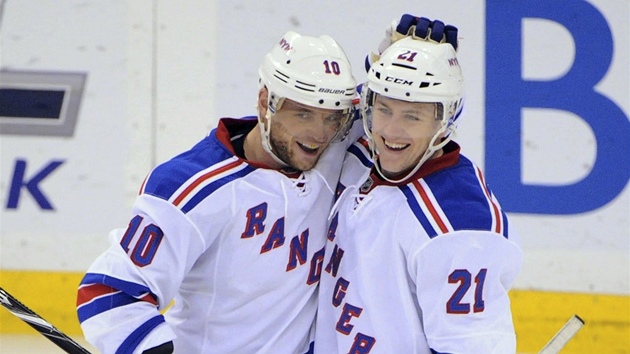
265, 131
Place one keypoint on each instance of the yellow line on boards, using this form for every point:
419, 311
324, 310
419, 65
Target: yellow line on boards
52, 295
538, 315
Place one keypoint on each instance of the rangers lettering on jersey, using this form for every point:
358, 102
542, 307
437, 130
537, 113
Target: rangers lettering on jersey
409, 256
362, 343
298, 247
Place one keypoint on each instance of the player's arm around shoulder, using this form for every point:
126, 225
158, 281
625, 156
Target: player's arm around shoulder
462, 283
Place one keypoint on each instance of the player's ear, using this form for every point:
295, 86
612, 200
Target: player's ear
263, 96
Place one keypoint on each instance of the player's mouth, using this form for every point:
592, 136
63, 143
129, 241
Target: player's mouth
310, 149
394, 146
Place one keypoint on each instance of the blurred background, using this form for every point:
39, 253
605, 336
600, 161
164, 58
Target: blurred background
94, 93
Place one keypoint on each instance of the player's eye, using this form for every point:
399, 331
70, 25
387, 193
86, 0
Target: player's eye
303, 115
334, 118
384, 111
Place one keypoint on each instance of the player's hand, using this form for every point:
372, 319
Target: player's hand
420, 28
423, 28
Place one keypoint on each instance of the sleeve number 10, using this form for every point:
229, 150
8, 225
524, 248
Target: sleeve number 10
463, 277
147, 241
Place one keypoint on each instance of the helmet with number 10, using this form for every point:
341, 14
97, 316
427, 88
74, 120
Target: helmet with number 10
312, 71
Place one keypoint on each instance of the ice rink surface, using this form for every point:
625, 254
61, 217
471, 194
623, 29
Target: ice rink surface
35, 344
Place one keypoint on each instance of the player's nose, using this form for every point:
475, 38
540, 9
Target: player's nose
321, 130
393, 128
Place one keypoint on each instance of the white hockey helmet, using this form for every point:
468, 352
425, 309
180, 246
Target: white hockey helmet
418, 70
313, 71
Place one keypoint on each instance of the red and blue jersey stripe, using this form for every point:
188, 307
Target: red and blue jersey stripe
456, 198
189, 178
99, 293
361, 150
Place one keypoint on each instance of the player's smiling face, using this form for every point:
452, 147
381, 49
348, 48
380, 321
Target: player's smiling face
402, 132
300, 134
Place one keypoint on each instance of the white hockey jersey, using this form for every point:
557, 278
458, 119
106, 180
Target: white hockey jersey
238, 247
422, 266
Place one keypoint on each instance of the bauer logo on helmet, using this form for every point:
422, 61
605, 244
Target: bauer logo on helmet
333, 91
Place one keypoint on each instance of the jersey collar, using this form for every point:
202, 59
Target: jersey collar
448, 159
229, 129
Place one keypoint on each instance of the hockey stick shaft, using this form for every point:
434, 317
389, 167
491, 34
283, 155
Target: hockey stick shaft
564, 335
39, 324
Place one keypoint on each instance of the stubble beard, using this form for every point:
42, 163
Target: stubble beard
284, 153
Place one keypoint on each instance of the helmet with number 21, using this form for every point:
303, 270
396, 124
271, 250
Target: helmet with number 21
417, 70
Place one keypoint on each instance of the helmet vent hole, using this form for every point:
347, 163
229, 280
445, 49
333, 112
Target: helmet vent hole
404, 66
321, 101
407, 94
289, 61
424, 84
386, 89
337, 103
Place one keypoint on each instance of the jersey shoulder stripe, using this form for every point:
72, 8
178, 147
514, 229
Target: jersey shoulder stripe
499, 218
190, 177
425, 207
453, 199
206, 181
360, 149
417, 210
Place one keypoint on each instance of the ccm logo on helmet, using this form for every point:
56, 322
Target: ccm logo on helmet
453, 62
398, 81
333, 91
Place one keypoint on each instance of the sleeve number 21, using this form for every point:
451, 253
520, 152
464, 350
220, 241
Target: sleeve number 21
463, 277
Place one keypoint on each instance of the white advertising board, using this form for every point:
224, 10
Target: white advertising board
546, 115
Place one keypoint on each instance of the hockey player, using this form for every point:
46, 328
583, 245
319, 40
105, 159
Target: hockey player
420, 256
234, 229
